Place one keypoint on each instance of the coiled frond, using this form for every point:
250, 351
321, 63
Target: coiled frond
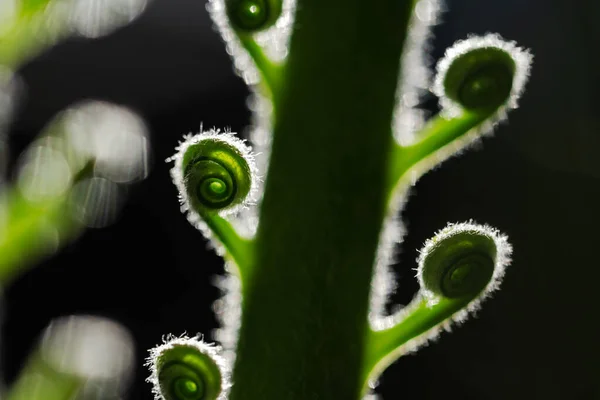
184, 368
216, 176
461, 260
458, 268
253, 15
214, 173
478, 81
482, 74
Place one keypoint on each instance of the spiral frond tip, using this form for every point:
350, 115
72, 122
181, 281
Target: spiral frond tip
463, 260
253, 15
215, 174
482, 74
184, 368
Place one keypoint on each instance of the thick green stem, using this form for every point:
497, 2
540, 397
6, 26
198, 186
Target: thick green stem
304, 323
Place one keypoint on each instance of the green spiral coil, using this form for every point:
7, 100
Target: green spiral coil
215, 172
482, 74
253, 15
458, 263
187, 369
480, 79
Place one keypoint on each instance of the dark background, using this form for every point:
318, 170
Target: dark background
537, 179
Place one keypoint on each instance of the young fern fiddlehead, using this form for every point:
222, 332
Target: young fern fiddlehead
460, 261
185, 368
254, 36
216, 177
457, 269
253, 15
482, 74
478, 81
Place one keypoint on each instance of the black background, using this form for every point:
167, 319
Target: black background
537, 179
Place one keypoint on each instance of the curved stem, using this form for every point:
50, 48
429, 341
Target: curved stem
438, 140
416, 323
270, 72
238, 248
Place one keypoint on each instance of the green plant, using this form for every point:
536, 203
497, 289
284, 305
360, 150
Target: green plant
73, 176
335, 123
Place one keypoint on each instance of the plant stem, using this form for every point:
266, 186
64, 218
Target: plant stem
304, 322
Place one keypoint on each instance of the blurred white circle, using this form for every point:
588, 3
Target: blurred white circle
87, 346
113, 136
95, 18
43, 173
96, 202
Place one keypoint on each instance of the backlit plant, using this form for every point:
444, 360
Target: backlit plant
306, 222
338, 142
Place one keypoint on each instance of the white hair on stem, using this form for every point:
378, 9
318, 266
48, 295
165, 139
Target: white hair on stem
501, 261
415, 75
274, 40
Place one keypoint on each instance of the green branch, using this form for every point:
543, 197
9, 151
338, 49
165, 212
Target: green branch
438, 140
239, 249
270, 72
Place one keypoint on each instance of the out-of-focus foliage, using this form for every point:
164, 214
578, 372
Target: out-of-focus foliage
73, 176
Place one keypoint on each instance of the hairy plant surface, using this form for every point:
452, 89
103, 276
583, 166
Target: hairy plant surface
307, 222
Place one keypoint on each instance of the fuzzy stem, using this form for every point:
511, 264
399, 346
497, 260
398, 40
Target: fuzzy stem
304, 322
434, 139
385, 346
238, 248
269, 71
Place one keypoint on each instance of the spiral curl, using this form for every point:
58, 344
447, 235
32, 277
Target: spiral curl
253, 15
462, 260
482, 74
184, 368
214, 173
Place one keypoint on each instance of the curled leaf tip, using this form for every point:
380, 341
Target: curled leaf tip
253, 15
483, 74
184, 368
463, 260
215, 173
